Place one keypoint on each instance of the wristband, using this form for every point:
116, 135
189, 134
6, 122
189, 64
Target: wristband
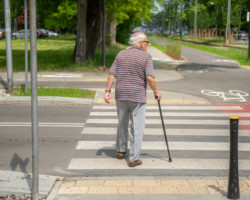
108, 91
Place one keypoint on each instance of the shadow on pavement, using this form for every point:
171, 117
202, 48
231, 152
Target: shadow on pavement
3, 83
203, 67
217, 189
17, 160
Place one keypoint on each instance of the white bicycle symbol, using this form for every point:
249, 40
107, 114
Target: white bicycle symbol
232, 94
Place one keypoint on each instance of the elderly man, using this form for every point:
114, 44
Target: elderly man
132, 69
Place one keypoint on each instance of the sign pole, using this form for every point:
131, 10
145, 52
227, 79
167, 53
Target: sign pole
103, 35
248, 19
8, 46
34, 100
26, 46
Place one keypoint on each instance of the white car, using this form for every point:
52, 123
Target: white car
20, 34
52, 34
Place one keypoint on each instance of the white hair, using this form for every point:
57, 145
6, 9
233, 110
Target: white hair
137, 38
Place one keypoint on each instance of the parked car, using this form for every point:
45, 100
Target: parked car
241, 35
2, 34
39, 33
44, 32
20, 34
52, 34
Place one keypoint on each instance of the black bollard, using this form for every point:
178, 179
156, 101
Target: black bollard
233, 182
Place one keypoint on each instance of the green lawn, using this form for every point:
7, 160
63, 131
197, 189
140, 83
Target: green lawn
240, 55
60, 92
55, 54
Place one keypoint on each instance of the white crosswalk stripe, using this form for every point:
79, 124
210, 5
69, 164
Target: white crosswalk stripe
196, 140
169, 121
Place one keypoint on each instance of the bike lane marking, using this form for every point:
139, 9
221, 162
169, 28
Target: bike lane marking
245, 109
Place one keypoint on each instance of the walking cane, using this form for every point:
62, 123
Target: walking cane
163, 126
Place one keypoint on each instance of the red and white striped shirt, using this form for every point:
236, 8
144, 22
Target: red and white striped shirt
130, 68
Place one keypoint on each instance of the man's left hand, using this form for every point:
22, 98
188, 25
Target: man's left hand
107, 97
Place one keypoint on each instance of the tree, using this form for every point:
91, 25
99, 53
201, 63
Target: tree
64, 18
21, 19
80, 47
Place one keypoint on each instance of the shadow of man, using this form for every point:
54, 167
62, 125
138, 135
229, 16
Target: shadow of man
17, 160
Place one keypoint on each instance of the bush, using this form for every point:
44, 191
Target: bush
174, 49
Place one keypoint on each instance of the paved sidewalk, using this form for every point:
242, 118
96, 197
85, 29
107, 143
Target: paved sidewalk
148, 188
20, 184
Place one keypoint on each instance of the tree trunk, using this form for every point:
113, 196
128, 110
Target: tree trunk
94, 13
80, 56
111, 32
15, 21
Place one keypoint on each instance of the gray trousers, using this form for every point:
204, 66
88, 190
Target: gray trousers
136, 112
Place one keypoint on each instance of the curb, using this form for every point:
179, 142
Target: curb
54, 189
46, 100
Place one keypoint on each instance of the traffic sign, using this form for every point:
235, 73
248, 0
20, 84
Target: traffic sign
248, 16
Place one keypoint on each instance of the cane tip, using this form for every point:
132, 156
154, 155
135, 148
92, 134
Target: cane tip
170, 159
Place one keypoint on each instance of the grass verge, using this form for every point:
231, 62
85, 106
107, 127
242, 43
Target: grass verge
55, 54
240, 55
60, 92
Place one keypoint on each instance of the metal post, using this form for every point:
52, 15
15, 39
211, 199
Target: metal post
181, 19
248, 17
249, 39
103, 34
8, 46
228, 22
26, 46
34, 101
233, 183
195, 20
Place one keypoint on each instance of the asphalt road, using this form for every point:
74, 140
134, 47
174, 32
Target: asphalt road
205, 71
61, 129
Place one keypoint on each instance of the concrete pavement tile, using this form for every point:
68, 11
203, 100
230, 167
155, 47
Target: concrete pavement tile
92, 197
88, 183
203, 183
103, 190
244, 187
147, 183
118, 183
162, 190
248, 182
133, 190
175, 183
67, 185
74, 190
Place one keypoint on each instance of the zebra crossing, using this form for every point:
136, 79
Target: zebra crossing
198, 136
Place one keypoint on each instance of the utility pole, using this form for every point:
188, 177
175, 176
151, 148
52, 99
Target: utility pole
26, 46
228, 22
195, 20
240, 14
103, 34
248, 19
181, 19
8, 46
34, 100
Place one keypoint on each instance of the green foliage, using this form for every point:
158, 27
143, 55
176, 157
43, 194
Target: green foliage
132, 10
173, 49
210, 13
127, 12
60, 92
65, 17
55, 54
